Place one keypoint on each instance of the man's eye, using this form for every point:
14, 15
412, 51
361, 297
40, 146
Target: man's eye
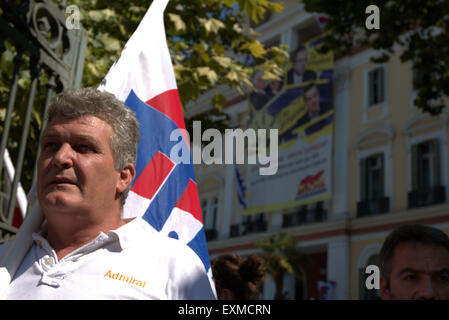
50, 146
444, 278
83, 148
410, 277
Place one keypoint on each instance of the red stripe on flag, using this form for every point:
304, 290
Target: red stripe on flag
190, 201
152, 177
168, 103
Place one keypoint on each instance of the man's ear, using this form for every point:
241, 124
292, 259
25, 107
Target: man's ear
126, 177
385, 292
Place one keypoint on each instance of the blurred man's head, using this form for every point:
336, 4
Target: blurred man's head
258, 80
299, 60
312, 99
414, 262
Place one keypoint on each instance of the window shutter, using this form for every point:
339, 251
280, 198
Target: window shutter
214, 212
382, 175
362, 180
381, 78
414, 169
436, 162
370, 88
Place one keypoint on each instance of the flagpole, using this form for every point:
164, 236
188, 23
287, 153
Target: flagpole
19, 247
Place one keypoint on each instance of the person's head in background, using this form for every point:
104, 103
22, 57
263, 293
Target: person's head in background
238, 278
414, 264
258, 80
299, 60
312, 100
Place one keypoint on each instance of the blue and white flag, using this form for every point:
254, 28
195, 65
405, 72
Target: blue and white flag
241, 187
164, 192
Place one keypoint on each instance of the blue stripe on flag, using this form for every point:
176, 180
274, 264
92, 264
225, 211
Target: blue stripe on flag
155, 130
167, 197
198, 244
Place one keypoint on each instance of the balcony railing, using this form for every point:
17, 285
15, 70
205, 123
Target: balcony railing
373, 206
421, 198
304, 217
253, 226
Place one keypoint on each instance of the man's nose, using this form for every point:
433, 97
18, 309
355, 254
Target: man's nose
64, 156
426, 289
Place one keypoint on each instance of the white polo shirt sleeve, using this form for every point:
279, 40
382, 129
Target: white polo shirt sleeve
188, 279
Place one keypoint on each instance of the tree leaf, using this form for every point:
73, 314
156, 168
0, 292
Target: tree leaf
177, 21
224, 62
210, 74
212, 25
255, 47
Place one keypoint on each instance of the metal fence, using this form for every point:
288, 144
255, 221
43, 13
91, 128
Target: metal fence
37, 50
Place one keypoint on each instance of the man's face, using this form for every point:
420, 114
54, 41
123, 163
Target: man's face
76, 166
419, 271
299, 64
312, 100
259, 82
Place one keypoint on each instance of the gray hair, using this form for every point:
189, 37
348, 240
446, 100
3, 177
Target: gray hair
79, 102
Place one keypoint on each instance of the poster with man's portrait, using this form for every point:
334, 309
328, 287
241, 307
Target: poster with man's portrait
301, 108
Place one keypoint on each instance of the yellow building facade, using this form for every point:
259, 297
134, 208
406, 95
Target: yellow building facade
389, 167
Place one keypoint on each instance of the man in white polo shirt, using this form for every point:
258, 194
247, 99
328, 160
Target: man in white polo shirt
85, 250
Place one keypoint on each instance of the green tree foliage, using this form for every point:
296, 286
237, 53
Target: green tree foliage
282, 256
209, 41
18, 114
418, 29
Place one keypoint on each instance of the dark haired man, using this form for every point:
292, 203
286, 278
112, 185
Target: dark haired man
298, 73
315, 108
414, 263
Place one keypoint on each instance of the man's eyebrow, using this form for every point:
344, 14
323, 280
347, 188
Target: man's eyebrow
411, 270
77, 136
443, 270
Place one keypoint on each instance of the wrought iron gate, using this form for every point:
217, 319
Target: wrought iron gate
42, 53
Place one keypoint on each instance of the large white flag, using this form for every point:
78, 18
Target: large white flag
164, 192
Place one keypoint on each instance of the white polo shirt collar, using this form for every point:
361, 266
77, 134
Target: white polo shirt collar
120, 236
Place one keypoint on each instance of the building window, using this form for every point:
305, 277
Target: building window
372, 191
311, 213
425, 175
376, 86
373, 177
209, 209
254, 223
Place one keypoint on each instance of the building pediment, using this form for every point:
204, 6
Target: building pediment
374, 135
